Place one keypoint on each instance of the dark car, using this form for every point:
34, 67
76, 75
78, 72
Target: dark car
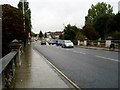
52, 42
43, 42
59, 42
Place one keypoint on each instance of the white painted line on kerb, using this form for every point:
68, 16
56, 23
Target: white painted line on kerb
62, 74
107, 58
79, 52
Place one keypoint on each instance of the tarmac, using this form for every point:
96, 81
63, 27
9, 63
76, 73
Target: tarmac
35, 72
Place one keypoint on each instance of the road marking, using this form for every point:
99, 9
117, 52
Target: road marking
60, 72
107, 58
79, 52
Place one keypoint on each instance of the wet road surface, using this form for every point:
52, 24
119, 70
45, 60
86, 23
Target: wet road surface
86, 67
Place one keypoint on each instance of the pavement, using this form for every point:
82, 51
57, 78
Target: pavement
35, 72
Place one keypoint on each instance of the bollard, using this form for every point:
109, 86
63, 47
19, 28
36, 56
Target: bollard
15, 45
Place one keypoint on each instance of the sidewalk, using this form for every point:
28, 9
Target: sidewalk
34, 72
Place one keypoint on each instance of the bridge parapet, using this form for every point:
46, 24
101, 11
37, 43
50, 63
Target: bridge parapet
8, 65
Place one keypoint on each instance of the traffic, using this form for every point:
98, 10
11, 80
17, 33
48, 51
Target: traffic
58, 42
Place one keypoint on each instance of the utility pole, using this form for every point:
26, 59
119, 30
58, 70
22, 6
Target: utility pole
119, 7
23, 10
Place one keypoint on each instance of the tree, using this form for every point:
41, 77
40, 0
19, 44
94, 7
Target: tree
61, 36
12, 26
90, 32
45, 35
113, 26
32, 34
100, 25
116, 35
80, 36
98, 10
27, 19
117, 22
70, 32
40, 34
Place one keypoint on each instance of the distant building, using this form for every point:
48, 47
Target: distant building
49, 35
119, 7
54, 35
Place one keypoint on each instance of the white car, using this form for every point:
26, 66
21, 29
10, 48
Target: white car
67, 43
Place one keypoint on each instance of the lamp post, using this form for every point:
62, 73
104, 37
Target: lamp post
119, 7
23, 11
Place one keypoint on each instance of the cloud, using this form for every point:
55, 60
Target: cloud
54, 14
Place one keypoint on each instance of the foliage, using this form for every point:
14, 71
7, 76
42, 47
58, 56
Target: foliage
70, 32
27, 18
100, 24
12, 26
116, 35
40, 34
90, 32
117, 22
20, 5
113, 25
99, 16
98, 10
32, 34
61, 36
80, 36
45, 35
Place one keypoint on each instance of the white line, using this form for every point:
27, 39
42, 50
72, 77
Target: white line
79, 52
67, 49
107, 58
62, 74
82, 53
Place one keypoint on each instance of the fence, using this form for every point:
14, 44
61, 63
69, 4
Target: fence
100, 43
8, 65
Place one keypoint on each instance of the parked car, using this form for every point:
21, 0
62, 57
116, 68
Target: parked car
59, 42
52, 42
67, 43
43, 42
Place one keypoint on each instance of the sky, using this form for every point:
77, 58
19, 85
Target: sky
53, 15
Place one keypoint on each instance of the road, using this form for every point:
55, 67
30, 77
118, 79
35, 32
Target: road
88, 68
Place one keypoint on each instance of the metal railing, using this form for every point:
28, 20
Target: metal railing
8, 66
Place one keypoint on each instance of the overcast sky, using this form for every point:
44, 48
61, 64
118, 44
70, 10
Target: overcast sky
52, 15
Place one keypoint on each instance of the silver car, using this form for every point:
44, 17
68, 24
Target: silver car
67, 43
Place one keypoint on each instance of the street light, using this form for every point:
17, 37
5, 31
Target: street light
119, 7
23, 10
